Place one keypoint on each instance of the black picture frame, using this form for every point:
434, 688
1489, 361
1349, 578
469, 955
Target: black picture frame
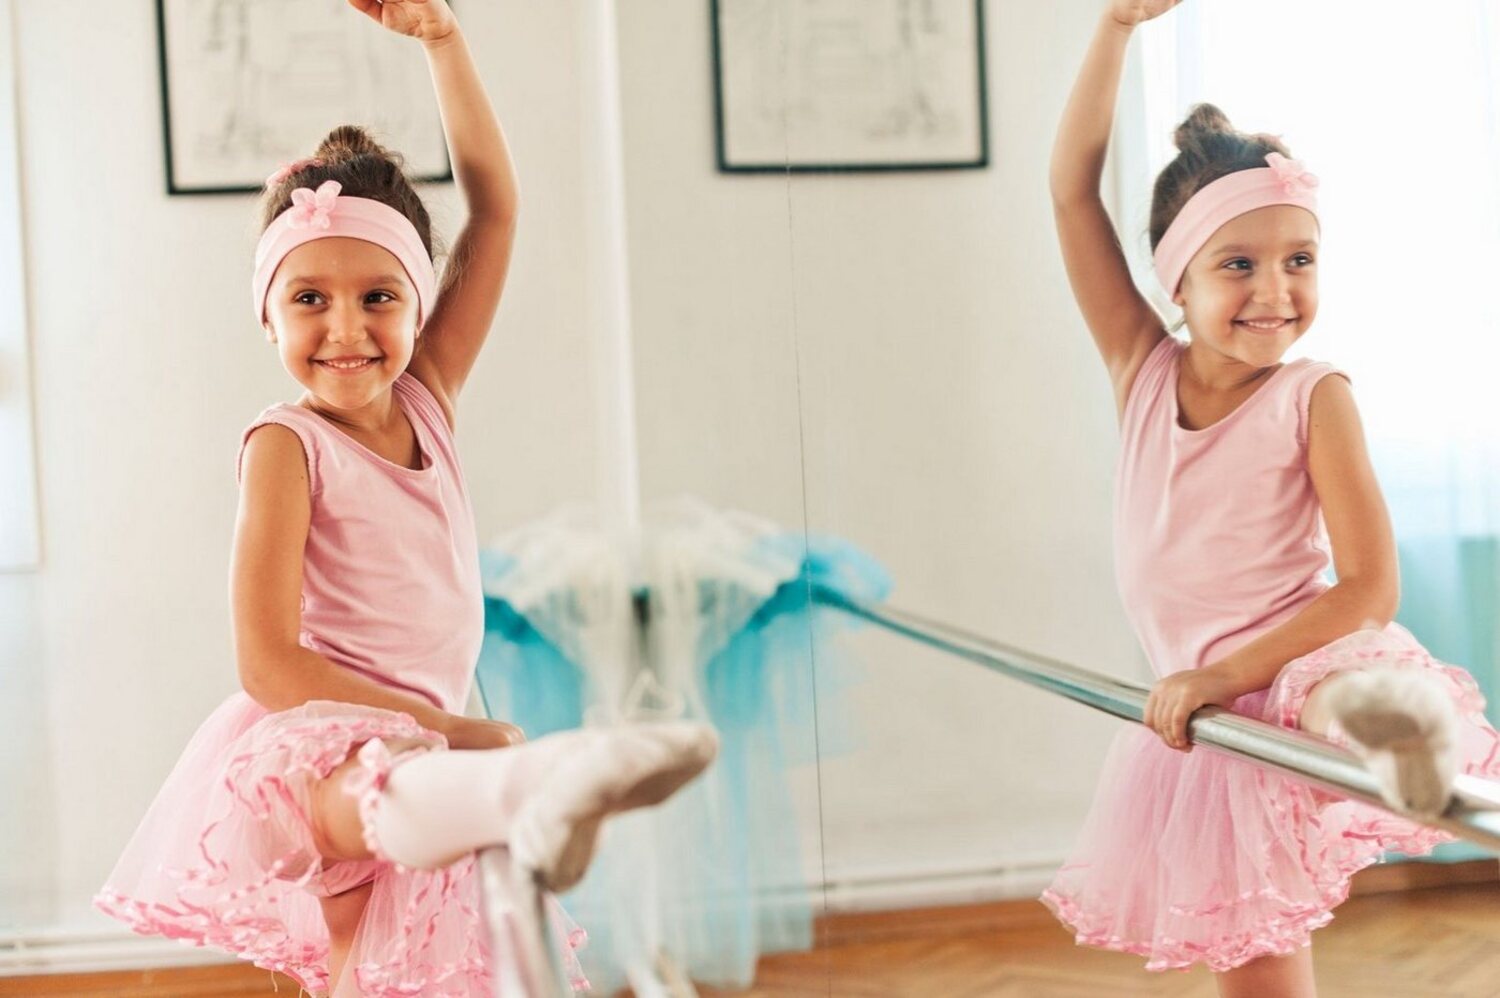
726, 162
431, 163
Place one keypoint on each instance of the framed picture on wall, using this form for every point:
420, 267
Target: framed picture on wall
249, 84
849, 85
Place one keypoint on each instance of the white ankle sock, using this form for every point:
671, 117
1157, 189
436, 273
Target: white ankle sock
1402, 722
439, 806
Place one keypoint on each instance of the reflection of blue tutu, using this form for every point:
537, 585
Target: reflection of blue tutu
522, 676
721, 863
781, 665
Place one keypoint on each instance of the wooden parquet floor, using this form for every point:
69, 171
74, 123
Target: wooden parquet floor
1429, 943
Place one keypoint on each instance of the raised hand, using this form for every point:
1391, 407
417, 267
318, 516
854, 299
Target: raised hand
1133, 12
424, 20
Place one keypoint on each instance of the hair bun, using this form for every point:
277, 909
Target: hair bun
1202, 123
347, 142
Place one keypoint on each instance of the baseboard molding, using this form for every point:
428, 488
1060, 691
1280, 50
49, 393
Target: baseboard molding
902, 886
1416, 875
97, 951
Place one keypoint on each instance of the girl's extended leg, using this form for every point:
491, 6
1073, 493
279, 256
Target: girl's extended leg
543, 799
1271, 977
1404, 725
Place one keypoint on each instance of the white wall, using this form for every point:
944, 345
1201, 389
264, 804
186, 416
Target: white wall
956, 423
148, 364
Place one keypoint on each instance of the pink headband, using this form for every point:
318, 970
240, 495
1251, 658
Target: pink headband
1283, 181
324, 214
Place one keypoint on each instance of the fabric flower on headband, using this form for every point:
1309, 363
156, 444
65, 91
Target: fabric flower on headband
1293, 175
287, 169
311, 210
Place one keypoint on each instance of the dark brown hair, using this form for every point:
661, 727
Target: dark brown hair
1209, 147
365, 169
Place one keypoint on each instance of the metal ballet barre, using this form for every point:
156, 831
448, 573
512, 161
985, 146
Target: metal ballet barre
1473, 814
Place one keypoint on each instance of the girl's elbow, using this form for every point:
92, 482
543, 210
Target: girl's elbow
1069, 184
1069, 198
499, 211
1064, 190
253, 686
259, 683
1062, 180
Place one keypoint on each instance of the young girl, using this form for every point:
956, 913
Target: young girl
1239, 478
322, 822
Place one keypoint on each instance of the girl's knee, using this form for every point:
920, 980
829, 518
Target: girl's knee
337, 828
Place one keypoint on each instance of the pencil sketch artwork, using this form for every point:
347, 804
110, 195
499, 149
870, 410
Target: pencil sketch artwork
850, 82
254, 83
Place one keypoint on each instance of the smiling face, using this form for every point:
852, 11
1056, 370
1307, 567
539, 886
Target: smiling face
343, 315
1252, 289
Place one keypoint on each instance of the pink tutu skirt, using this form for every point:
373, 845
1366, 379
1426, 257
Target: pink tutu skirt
1201, 858
225, 857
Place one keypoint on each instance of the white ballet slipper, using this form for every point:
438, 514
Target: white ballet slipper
624, 768
440, 806
1403, 724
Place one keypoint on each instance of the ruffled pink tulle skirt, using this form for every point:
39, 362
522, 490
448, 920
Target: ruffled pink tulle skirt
1200, 858
225, 857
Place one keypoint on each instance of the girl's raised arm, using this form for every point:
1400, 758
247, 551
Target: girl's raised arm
1124, 325
480, 257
